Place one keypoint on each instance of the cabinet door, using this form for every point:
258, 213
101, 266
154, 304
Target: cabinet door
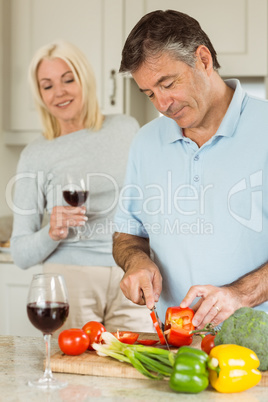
14, 285
237, 29
94, 26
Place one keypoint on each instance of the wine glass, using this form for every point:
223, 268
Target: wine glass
75, 193
47, 309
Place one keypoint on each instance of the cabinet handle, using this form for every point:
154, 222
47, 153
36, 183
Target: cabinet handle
113, 94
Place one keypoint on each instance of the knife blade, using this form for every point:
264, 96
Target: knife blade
160, 324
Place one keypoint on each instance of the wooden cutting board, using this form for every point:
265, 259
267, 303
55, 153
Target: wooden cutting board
89, 363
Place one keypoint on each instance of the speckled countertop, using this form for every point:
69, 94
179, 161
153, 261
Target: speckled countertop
21, 358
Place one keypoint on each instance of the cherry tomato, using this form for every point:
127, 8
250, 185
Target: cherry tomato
126, 336
208, 343
147, 342
73, 341
94, 330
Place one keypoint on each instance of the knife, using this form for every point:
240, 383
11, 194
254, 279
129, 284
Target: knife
160, 325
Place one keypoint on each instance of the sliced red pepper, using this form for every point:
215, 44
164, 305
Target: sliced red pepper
147, 342
178, 325
157, 328
126, 336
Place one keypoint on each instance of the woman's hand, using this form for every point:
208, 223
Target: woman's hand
62, 218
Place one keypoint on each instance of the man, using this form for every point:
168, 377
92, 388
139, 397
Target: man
192, 222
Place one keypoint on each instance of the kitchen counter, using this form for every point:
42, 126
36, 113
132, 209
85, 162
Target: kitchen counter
21, 358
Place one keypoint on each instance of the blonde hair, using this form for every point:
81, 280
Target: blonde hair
83, 74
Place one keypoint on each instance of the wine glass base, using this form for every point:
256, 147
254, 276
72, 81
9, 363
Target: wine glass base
47, 383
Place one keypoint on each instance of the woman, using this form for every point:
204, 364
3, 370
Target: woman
76, 138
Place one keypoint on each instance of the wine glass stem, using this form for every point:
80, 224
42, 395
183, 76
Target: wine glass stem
48, 372
79, 231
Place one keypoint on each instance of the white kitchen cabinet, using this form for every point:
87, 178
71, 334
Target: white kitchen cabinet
96, 27
237, 29
14, 285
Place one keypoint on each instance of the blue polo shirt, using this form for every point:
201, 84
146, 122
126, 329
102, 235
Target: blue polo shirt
204, 209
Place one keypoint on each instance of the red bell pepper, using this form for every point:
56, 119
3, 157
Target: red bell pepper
157, 328
126, 336
178, 325
147, 342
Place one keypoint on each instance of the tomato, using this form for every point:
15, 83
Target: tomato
147, 342
73, 341
208, 343
126, 336
94, 330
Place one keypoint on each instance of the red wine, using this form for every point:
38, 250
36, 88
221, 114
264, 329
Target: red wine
49, 316
75, 198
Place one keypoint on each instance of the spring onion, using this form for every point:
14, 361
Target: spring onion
152, 362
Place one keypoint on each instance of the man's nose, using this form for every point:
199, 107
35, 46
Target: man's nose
163, 102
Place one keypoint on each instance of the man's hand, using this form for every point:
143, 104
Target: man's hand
216, 304
62, 218
142, 284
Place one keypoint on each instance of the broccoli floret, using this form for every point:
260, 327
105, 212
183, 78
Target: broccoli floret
247, 327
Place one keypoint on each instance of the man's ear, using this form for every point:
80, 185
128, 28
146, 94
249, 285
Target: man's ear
204, 57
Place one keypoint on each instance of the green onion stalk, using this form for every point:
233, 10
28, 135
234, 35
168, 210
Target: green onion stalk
152, 362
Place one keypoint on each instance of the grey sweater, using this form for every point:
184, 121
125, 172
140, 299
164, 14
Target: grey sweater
102, 155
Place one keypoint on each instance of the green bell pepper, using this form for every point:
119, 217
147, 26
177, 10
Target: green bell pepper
190, 373
198, 352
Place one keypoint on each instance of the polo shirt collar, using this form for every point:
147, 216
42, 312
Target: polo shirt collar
232, 116
229, 122
175, 133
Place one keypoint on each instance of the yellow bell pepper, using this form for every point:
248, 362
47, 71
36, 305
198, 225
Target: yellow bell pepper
235, 368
